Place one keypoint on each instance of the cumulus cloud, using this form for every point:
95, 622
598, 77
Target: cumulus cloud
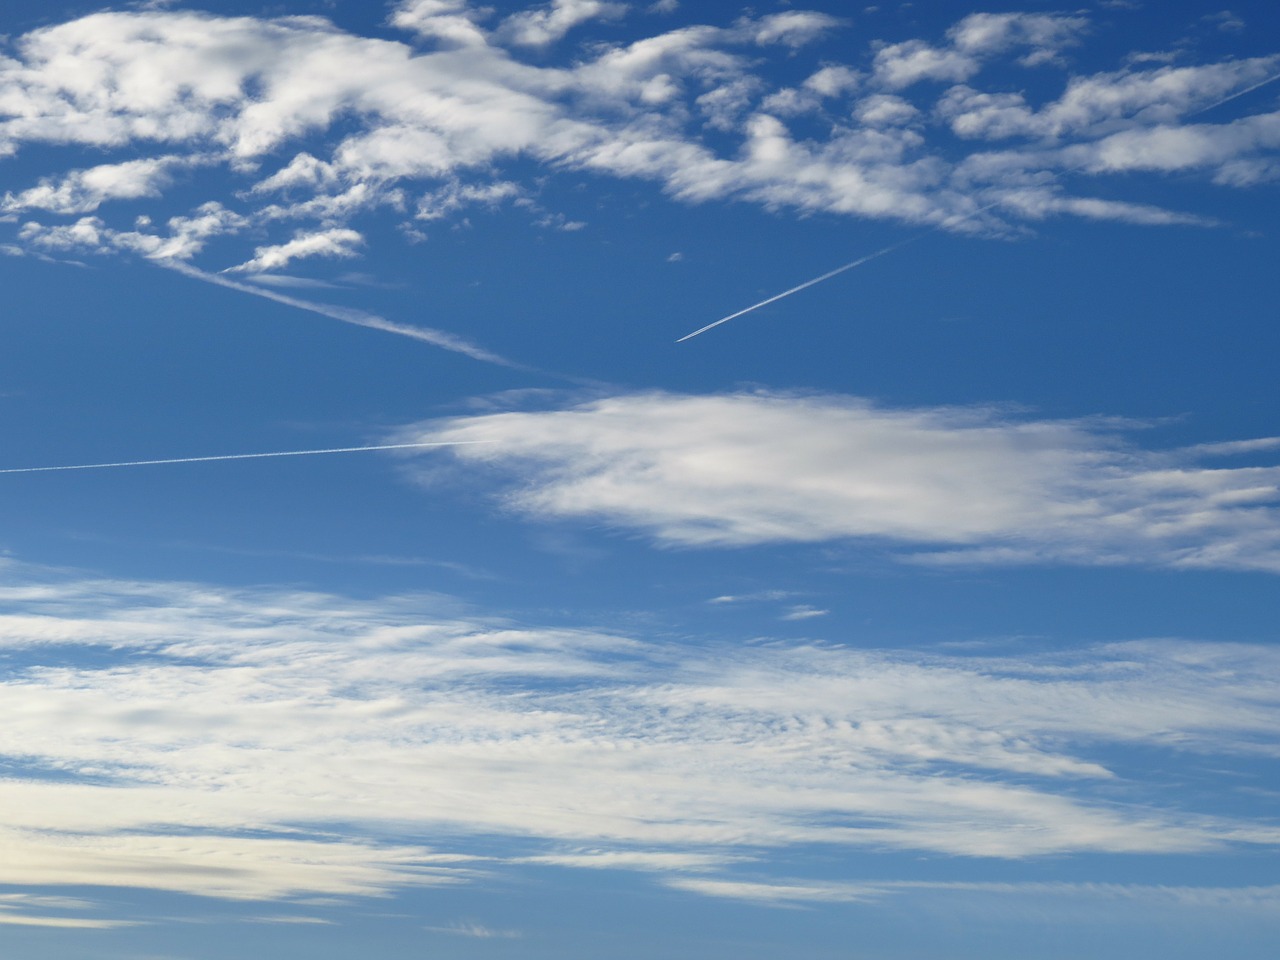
187, 752
961, 485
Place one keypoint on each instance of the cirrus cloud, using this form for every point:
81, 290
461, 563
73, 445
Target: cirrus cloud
949, 485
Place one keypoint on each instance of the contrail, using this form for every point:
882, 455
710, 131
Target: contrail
796, 289
1239, 93
950, 221
360, 318
246, 456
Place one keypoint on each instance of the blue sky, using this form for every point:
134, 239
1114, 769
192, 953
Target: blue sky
925, 612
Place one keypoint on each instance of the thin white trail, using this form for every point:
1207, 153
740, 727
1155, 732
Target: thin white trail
245, 456
796, 289
950, 221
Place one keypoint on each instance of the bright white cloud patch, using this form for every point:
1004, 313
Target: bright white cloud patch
975, 485
327, 243
299, 127
188, 752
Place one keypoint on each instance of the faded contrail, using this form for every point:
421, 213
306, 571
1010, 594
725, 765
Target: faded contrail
1239, 93
950, 221
360, 318
246, 456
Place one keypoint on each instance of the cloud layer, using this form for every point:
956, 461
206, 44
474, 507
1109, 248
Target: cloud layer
266, 744
291, 128
945, 484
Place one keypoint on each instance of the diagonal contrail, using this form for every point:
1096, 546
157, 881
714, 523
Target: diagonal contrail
360, 318
950, 221
796, 289
245, 456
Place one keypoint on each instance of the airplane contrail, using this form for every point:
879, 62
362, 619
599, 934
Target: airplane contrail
945, 223
1239, 93
796, 289
360, 318
245, 456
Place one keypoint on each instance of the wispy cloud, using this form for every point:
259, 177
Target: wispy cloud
944, 485
606, 751
359, 318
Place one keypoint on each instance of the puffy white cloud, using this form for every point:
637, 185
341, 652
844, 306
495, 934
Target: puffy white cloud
794, 28
338, 242
546, 25
831, 81
1220, 147
450, 21
884, 109
992, 33
188, 752
974, 484
83, 191
900, 65
187, 235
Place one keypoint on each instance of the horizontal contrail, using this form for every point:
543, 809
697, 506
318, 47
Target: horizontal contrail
245, 456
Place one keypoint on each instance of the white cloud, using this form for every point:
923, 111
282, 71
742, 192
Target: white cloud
991, 33
450, 21
338, 242
188, 752
974, 485
831, 81
1126, 895
187, 235
326, 125
804, 612
900, 65
1187, 147
794, 28
884, 109
1092, 105
83, 191
547, 24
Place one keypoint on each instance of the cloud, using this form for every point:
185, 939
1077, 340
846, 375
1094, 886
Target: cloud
469, 928
176, 736
545, 25
1095, 105
452, 22
900, 65
1047, 35
803, 612
83, 191
794, 28
777, 893
298, 127
954, 485
338, 242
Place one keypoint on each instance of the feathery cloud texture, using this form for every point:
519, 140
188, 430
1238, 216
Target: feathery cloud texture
942, 484
177, 736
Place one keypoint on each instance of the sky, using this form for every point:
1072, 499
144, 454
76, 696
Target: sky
622, 479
